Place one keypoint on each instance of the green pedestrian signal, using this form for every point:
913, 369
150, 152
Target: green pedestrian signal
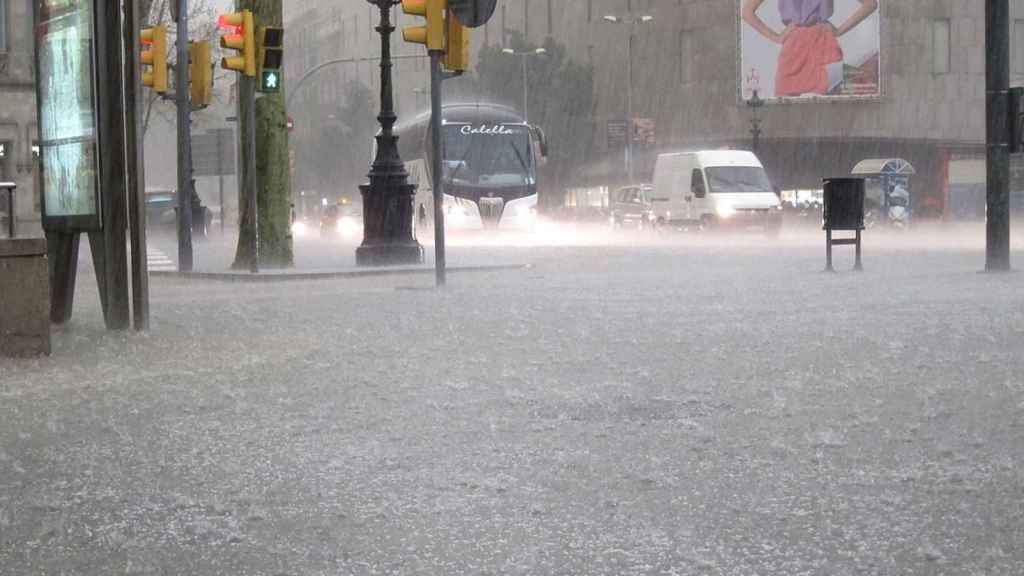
271, 57
270, 81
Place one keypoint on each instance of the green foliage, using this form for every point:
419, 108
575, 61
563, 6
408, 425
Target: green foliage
561, 102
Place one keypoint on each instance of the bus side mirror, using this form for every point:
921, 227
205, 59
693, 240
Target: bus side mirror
542, 143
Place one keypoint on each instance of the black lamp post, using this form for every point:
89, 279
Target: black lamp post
388, 198
755, 103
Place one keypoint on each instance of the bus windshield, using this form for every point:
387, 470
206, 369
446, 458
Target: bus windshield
488, 155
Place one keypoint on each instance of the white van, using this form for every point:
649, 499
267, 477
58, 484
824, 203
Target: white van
714, 188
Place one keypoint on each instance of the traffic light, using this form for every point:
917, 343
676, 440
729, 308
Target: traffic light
242, 40
200, 64
271, 58
432, 33
154, 55
456, 56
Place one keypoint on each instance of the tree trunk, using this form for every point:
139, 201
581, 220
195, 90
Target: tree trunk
273, 172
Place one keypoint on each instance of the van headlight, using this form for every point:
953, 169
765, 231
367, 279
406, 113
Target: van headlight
725, 211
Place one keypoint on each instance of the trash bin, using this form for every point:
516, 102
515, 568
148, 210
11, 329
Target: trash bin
844, 210
844, 204
24, 297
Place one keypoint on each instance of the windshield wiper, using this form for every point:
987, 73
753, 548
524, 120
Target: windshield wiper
462, 162
522, 162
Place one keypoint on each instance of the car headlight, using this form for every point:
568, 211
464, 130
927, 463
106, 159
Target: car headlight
348, 225
725, 211
298, 229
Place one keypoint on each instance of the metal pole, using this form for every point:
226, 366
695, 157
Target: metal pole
629, 104
997, 80
220, 177
135, 171
526, 93
184, 142
436, 166
249, 92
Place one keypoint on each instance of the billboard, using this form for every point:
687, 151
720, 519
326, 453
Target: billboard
66, 87
810, 49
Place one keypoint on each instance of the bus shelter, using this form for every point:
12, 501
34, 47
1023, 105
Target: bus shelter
887, 190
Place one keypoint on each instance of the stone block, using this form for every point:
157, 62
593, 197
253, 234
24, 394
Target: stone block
24, 298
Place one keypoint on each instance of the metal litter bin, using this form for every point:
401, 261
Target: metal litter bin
844, 211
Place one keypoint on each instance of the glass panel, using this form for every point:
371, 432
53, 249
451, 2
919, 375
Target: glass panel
67, 107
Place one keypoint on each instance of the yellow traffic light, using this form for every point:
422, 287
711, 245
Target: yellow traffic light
201, 74
242, 40
456, 57
432, 33
154, 55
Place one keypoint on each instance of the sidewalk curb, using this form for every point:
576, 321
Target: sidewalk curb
296, 276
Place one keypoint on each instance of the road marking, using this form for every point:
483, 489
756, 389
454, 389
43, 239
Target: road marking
159, 262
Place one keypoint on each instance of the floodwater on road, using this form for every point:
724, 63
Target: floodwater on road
639, 404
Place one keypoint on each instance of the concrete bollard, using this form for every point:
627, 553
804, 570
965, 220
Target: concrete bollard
24, 298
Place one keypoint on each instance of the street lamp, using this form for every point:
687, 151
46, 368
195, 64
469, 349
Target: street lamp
526, 90
631, 21
755, 103
388, 198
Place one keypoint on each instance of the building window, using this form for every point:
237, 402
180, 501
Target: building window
1018, 46
940, 47
3, 25
526, 20
550, 19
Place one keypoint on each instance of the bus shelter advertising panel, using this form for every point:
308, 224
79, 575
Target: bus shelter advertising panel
810, 49
65, 48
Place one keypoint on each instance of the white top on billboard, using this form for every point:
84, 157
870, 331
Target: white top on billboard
810, 49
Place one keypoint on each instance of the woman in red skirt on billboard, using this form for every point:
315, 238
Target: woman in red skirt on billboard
811, 61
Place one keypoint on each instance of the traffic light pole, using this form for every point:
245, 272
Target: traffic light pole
248, 94
436, 76
997, 79
181, 89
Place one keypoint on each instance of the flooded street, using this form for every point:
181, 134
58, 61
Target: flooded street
695, 405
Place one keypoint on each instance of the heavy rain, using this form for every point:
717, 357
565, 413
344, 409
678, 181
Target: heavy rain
643, 356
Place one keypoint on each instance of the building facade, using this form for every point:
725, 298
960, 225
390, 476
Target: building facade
18, 111
687, 82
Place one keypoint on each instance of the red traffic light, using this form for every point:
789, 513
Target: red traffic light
229, 22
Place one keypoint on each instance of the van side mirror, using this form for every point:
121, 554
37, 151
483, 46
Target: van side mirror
697, 184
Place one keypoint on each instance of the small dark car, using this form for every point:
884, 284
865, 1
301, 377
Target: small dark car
631, 206
161, 213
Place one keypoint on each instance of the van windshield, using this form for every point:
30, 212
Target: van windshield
737, 179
